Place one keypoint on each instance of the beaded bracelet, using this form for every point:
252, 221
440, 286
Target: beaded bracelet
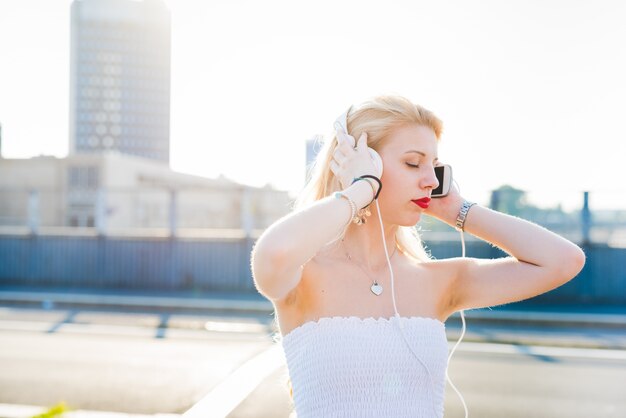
353, 216
360, 217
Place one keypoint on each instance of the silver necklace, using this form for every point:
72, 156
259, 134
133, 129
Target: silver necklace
375, 288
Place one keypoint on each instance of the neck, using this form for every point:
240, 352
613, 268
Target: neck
365, 244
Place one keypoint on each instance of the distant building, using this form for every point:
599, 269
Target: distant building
131, 192
120, 78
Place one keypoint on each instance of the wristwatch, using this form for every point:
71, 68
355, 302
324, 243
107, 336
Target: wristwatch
460, 220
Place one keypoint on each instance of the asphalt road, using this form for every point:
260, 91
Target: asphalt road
119, 362
159, 363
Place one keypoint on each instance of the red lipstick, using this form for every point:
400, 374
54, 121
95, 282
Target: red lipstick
422, 203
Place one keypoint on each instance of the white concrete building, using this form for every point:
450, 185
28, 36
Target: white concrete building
121, 193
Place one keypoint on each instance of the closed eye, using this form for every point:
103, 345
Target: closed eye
412, 165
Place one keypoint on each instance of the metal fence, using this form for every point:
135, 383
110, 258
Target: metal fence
223, 264
147, 263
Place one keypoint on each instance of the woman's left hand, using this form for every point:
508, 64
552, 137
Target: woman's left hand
446, 208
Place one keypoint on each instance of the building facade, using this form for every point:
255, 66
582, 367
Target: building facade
120, 78
121, 193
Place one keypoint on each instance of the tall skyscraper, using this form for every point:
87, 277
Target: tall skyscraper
120, 77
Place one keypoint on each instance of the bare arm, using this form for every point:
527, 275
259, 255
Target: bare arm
539, 261
294, 239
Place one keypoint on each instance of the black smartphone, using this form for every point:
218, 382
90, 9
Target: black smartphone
444, 176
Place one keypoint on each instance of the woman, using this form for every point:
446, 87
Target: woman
344, 349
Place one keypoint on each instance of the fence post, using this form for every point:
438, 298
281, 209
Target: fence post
173, 215
33, 211
101, 212
246, 211
495, 199
494, 203
247, 223
586, 220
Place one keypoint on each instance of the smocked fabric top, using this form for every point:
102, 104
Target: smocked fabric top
362, 367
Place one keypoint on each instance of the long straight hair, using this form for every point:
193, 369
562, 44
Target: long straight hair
379, 116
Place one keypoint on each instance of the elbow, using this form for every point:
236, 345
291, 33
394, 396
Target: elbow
572, 262
577, 259
263, 256
266, 247
263, 268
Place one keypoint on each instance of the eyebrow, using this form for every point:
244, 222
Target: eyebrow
419, 152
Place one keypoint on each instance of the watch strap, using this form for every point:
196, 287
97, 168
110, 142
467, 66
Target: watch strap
460, 220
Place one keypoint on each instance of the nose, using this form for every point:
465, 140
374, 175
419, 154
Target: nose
430, 180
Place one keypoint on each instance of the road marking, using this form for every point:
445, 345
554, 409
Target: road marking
228, 326
50, 298
134, 330
536, 350
225, 397
21, 411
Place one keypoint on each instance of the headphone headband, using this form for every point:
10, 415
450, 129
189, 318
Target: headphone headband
341, 123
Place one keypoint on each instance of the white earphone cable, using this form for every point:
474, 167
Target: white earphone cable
401, 325
459, 341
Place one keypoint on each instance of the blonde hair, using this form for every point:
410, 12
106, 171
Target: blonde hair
379, 116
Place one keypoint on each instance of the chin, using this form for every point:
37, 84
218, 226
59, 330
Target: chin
412, 221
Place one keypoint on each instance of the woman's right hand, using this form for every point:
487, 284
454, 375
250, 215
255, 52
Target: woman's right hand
349, 162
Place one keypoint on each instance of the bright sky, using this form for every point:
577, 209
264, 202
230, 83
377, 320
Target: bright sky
531, 93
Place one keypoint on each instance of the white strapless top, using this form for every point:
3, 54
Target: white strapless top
354, 367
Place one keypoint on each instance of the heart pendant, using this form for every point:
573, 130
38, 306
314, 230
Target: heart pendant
377, 289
